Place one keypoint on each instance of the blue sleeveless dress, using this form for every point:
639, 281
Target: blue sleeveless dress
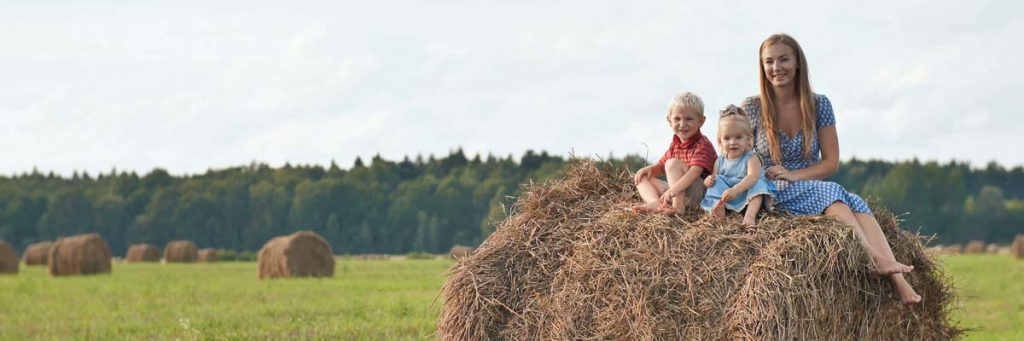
730, 173
805, 197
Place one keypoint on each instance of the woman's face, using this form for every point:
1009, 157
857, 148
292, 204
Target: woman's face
779, 62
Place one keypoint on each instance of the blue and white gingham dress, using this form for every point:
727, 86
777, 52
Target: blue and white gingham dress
805, 197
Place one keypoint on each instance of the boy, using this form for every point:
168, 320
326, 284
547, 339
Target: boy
689, 159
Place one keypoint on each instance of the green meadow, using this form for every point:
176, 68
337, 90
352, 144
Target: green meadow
367, 299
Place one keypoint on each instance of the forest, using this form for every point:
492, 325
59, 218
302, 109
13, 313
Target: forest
427, 204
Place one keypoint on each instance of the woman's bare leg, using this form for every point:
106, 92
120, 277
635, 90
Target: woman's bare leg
874, 233
885, 263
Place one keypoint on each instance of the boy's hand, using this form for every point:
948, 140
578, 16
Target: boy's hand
709, 181
641, 175
666, 198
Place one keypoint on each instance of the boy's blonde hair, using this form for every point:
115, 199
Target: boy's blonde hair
686, 99
735, 115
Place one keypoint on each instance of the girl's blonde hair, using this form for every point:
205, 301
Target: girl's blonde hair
808, 115
686, 99
735, 115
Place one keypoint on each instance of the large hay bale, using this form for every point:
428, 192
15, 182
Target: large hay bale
1017, 248
8, 259
142, 253
208, 255
459, 251
572, 262
36, 253
954, 249
975, 247
84, 254
181, 251
300, 254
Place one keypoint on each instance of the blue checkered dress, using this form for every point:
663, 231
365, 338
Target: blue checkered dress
806, 197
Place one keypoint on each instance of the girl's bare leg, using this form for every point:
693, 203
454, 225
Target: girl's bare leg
754, 206
674, 170
874, 233
886, 264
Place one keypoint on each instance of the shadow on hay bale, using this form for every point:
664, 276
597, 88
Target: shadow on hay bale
84, 254
180, 251
572, 262
300, 254
208, 255
8, 259
36, 253
142, 253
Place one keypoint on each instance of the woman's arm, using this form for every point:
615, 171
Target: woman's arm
828, 140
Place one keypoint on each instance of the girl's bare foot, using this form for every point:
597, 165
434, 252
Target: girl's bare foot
719, 210
749, 221
889, 267
651, 207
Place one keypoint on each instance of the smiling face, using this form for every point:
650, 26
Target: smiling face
733, 139
685, 121
780, 64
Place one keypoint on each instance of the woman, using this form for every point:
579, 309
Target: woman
783, 115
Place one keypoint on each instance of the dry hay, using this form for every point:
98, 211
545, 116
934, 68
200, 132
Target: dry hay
459, 251
975, 247
142, 253
8, 259
181, 251
84, 254
208, 255
572, 262
36, 253
300, 254
1017, 248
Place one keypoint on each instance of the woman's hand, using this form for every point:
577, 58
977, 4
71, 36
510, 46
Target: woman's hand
642, 175
779, 173
709, 181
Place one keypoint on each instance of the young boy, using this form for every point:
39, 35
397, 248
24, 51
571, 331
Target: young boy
689, 159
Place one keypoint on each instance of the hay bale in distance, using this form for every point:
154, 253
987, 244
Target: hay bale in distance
208, 255
84, 254
992, 248
975, 247
300, 254
954, 249
36, 253
142, 253
181, 251
459, 251
1017, 248
8, 259
572, 262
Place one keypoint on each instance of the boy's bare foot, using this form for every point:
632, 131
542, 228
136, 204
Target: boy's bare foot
651, 207
668, 211
907, 295
889, 267
719, 210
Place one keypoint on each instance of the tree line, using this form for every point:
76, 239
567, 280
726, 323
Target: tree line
424, 204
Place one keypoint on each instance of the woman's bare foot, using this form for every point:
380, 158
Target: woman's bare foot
907, 294
651, 207
719, 210
888, 267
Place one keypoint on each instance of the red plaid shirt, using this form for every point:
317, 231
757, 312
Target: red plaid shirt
695, 151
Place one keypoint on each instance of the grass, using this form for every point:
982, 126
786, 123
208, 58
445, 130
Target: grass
369, 300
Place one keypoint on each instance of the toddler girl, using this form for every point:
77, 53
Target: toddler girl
737, 181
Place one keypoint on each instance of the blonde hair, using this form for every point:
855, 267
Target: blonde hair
736, 116
808, 115
686, 99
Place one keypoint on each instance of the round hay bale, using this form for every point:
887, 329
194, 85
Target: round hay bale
142, 253
975, 247
208, 255
459, 251
300, 254
572, 262
84, 254
992, 248
36, 253
181, 251
1017, 248
8, 259
954, 249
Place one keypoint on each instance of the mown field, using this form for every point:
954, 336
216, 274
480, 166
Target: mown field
367, 299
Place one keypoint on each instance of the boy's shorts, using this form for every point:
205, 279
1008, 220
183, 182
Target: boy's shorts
695, 194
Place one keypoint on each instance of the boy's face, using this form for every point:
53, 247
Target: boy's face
685, 122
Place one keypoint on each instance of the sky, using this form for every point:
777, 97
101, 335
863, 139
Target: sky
194, 85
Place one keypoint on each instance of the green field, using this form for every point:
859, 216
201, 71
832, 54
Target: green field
378, 300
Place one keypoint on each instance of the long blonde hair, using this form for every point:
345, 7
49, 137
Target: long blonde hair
808, 113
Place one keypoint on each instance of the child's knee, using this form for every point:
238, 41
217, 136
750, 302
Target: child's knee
675, 164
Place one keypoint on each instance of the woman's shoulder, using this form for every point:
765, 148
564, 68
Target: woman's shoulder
752, 102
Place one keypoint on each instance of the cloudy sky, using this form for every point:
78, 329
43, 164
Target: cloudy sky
190, 85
